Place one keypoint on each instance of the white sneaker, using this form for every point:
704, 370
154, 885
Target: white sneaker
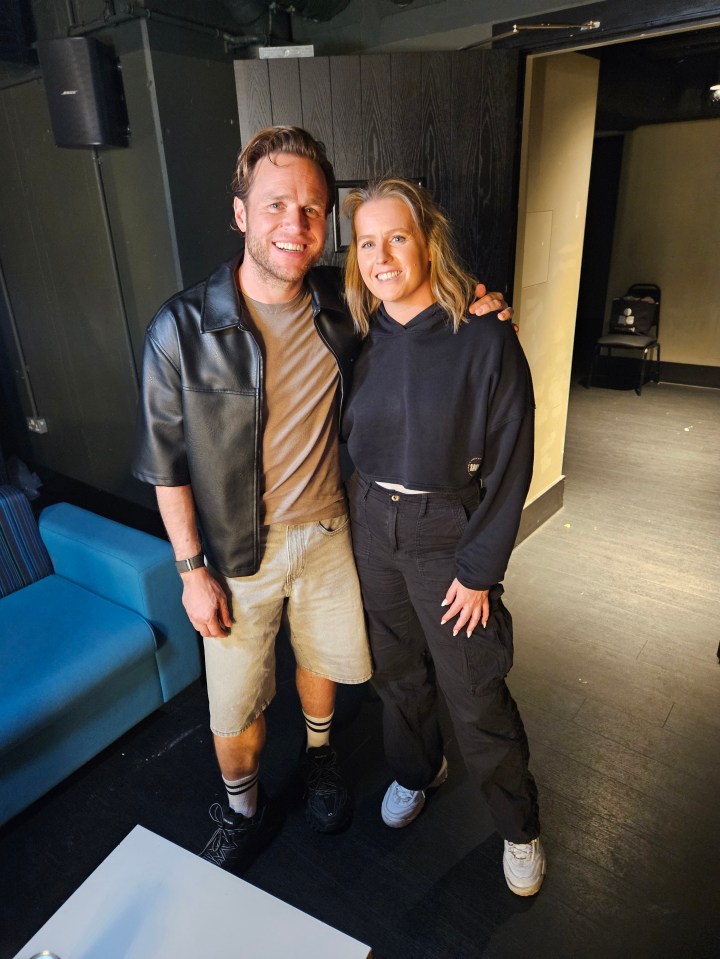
400, 805
524, 865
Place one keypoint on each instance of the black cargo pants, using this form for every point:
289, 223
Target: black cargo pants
404, 547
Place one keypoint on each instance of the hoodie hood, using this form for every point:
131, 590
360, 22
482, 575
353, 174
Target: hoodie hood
430, 319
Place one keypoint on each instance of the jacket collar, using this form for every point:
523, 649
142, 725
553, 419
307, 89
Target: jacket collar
325, 287
223, 304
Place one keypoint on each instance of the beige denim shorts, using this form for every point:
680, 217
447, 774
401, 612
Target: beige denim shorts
308, 572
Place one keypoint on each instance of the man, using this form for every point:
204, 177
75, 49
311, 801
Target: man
244, 378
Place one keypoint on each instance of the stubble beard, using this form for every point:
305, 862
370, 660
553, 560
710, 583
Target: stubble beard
270, 271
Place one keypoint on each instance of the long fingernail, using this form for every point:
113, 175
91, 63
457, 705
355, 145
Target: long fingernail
444, 603
455, 632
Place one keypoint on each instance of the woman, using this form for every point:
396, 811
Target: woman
439, 425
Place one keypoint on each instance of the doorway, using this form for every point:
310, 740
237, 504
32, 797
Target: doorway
565, 126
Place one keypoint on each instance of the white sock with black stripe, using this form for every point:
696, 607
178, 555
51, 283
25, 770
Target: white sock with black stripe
318, 730
243, 793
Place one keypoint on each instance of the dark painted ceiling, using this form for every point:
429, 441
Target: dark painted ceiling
658, 80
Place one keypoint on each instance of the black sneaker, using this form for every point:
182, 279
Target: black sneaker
328, 806
238, 839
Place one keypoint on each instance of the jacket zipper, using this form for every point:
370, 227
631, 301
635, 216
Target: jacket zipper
258, 443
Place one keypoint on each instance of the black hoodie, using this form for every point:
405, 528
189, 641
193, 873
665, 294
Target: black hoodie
432, 410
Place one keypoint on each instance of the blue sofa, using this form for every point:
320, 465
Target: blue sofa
93, 638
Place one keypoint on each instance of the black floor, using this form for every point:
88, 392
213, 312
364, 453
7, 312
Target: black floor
615, 605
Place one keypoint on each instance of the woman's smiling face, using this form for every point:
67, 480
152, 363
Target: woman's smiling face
393, 257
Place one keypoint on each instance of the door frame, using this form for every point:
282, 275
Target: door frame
621, 26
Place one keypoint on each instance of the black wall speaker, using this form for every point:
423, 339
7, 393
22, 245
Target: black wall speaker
84, 92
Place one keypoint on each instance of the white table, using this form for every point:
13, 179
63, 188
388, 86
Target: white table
150, 899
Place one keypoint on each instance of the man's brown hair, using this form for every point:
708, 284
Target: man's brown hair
281, 139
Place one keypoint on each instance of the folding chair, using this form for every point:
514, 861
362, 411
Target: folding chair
634, 325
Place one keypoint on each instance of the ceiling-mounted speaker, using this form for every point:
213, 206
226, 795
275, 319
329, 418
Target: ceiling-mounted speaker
84, 92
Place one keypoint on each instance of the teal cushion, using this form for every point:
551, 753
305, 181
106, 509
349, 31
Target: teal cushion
58, 643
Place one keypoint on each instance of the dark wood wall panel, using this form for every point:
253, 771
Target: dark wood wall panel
347, 117
252, 82
375, 80
316, 103
317, 118
497, 179
406, 114
285, 98
436, 128
449, 117
468, 166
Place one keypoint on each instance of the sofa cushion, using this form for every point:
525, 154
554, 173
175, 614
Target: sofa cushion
59, 642
23, 556
133, 569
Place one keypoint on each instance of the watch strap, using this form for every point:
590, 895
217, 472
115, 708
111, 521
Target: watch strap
192, 562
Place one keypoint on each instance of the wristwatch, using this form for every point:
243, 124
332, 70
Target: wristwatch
193, 562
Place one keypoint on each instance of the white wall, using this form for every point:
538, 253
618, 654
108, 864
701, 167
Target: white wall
667, 232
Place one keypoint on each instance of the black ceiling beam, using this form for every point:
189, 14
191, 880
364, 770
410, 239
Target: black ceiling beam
617, 18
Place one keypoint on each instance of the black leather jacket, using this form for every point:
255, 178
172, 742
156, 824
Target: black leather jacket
200, 414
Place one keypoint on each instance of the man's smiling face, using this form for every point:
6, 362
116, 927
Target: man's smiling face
283, 219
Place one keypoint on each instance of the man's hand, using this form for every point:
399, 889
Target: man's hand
487, 302
203, 597
205, 603
471, 606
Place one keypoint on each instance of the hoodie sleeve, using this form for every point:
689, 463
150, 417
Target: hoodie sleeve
484, 549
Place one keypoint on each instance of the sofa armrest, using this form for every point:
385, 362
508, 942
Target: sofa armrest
133, 569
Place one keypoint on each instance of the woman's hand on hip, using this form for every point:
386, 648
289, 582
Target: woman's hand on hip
471, 606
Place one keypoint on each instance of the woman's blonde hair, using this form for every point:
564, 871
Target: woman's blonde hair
451, 286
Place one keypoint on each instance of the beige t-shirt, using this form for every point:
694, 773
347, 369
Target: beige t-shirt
300, 452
